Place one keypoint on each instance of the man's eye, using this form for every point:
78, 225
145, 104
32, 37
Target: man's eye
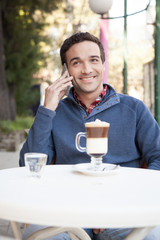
75, 63
94, 60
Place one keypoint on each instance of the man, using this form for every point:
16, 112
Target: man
134, 135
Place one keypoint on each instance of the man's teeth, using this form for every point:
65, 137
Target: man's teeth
88, 78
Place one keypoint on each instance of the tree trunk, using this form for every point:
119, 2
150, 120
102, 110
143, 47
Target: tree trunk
4, 92
12, 100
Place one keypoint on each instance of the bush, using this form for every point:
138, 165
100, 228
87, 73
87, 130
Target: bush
20, 123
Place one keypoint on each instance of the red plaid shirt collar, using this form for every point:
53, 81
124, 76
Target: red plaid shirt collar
94, 104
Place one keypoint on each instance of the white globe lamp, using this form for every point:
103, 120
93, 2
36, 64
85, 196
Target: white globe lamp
100, 6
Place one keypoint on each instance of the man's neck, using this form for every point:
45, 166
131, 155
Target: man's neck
88, 98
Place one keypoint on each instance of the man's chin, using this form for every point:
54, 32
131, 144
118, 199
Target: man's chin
85, 90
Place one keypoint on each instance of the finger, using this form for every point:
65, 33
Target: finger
62, 94
61, 81
59, 85
65, 74
64, 87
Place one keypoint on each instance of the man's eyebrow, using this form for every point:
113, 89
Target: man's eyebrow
95, 56
75, 58
78, 58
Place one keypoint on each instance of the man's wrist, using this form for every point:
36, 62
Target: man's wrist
46, 111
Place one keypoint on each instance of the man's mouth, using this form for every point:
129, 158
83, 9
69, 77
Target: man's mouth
87, 78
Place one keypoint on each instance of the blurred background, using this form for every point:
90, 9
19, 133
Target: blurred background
31, 33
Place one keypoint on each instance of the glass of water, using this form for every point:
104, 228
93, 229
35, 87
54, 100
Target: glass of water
35, 164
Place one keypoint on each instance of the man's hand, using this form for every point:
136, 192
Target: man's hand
98, 230
56, 91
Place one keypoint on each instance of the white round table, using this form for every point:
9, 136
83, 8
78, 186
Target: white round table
62, 197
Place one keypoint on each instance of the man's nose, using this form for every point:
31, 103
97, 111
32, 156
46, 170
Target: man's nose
86, 68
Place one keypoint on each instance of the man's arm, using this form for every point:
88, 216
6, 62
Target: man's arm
148, 137
39, 138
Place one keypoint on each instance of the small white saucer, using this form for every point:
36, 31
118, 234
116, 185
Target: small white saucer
86, 169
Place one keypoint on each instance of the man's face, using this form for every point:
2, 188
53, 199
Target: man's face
86, 67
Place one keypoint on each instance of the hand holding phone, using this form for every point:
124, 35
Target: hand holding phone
57, 90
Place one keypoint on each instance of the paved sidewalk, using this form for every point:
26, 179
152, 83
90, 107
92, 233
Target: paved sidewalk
7, 160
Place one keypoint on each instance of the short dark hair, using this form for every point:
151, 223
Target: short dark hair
77, 38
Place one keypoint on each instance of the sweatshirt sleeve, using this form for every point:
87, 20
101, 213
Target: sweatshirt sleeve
39, 138
148, 137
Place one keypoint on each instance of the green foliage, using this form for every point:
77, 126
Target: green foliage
20, 123
23, 26
27, 100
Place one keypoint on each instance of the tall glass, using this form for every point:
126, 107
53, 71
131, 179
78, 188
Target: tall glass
96, 142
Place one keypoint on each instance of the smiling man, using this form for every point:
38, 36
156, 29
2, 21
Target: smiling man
134, 135
87, 70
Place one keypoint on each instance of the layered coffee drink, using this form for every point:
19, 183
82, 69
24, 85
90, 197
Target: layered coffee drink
97, 138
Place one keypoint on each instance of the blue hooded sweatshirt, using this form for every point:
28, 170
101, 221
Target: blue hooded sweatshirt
134, 135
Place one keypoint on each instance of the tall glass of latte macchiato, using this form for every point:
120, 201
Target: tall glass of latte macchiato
97, 141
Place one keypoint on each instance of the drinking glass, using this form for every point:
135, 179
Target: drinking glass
96, 142
35, 164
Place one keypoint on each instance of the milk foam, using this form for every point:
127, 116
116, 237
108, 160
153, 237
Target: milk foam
97, 145
97, 123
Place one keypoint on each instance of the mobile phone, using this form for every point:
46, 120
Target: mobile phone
65, 69
68, 75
